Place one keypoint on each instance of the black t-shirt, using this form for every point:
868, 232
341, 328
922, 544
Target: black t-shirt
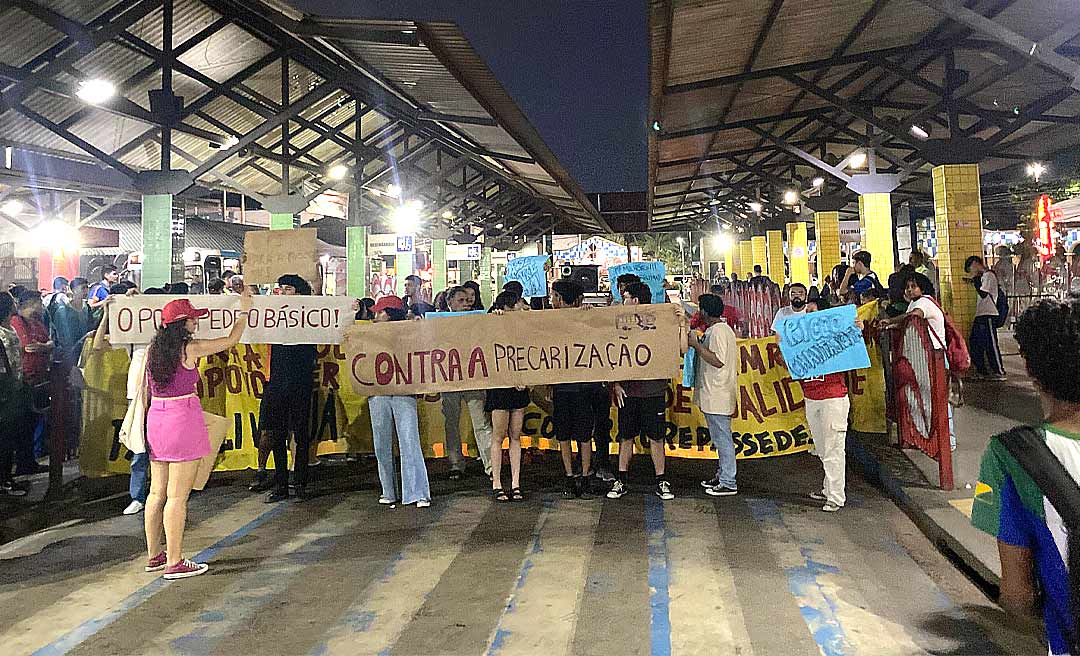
291, 365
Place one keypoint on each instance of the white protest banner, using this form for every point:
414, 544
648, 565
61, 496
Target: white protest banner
518, 348
651, 273
270, 254
529, 271
276, 319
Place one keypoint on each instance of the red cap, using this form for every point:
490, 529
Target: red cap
181, 309
388, 302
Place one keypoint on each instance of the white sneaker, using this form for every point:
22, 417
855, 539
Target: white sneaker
386, 502
423, 503
134, 507
617, 490
830, 507
663, 490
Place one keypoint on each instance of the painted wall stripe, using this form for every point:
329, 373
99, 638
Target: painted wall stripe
659, 574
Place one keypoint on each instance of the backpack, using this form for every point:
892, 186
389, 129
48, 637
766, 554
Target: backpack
1028, 448
956, 350
1002, 308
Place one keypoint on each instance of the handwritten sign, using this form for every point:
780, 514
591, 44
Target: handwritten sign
529, 271
270, 254
274, 319
820, 343
518, 348
651, 273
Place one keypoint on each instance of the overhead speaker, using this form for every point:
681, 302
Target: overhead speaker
586, 275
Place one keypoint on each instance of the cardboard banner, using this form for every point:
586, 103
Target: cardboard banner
517, 348
275, 319
270, 254
770, 420
531, 272
821, 343
651, 273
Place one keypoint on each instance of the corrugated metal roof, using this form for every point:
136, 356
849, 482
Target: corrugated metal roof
730, 54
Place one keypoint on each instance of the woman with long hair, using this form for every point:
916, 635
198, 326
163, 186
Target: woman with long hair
507, 407
176, 432
399, 411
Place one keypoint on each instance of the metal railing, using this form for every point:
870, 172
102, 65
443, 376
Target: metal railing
919, 398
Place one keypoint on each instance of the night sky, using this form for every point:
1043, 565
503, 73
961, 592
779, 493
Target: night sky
578, 69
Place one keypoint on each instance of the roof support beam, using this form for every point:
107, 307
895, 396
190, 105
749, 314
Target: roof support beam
81, 143
976, 21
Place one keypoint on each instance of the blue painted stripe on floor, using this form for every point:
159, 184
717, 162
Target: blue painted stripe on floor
659, 576
500, 635
817, 607
88, 629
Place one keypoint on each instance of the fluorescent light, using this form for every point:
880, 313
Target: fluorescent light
405, 219
233, 140
756, 206
95, 91
393, 190
818, 181
498, 226
858, 160
791, 197
337, 172
918, 132
13, 207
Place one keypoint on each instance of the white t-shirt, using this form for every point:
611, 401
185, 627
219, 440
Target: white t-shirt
717, 388
784, 313
933, 315
986, 306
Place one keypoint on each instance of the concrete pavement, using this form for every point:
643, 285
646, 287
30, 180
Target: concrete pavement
762, 573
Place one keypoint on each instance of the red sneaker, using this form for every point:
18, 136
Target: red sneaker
185, 569
157, 563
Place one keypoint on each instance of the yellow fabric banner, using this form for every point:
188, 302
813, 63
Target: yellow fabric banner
866, 387
770, 419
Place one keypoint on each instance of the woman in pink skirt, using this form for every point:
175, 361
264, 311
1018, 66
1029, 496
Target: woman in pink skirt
176, 432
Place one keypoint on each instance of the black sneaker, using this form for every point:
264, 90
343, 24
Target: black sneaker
617, 491
262, 482
12, 489
570, 487
663, 490
277, 495
585, 488
455, 475
712, 482
721, 491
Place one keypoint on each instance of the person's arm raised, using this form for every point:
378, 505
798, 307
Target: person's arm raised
200, 348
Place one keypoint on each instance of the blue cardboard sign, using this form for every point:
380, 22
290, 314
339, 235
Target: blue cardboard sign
689, 368
651, 273
825, 342
529, 271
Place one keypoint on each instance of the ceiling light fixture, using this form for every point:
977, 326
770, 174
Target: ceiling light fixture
858, 160
405, 218
791, 197
756, 206
817, 182
13, 207
337, 172
919, 132
1036, 170
95, 91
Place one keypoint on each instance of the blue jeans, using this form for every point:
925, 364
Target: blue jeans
140, 466
720, 434
388, 412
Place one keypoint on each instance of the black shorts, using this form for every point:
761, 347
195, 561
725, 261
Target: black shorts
574, 414
642, 416
286, 410
506, 398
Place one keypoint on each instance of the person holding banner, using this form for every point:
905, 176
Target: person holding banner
716, 390
388, 413
176, 431
459, 299
507, 408
286, 403
580, 411
641, 411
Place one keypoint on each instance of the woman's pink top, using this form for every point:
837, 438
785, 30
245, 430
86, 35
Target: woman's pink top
183, 383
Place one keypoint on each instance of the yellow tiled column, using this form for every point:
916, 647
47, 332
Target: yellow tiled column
746, 258
827, 229
731, 258
776, 256
958, 214
761, 254
798, 255
875, 218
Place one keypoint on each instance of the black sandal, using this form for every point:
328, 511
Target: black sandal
500, 495
516, 495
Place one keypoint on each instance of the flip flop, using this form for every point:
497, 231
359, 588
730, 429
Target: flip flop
500, 495
516, 495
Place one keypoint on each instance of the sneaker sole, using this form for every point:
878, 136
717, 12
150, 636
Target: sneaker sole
707, 484
830, 509
714, 493
185, 575
666, 497
616, 496
157, 568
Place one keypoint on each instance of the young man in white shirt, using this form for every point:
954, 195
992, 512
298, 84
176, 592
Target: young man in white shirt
716, 390
797, 297
985, 352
